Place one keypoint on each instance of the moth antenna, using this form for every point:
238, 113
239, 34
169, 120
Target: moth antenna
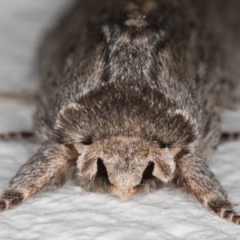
16, 136
226, 137
18, 96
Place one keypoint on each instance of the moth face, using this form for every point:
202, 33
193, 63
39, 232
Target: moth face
125, 160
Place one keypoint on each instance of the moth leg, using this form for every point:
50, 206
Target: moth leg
195, 177
49, 167
226, 137
16, 136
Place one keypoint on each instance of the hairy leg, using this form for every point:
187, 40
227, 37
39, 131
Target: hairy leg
49, 167
195, 177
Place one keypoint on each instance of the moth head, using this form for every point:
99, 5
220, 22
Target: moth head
126, 160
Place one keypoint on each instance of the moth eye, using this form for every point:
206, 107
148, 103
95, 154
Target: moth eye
87, 141
108, 150
144, 152
162, 145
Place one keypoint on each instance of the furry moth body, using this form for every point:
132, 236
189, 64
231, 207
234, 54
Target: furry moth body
130, 98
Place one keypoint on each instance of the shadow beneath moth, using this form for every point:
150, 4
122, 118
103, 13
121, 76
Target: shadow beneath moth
130, 98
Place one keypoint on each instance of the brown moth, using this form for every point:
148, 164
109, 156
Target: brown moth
130, 97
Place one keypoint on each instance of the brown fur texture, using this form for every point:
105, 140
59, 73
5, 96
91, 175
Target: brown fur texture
130, 97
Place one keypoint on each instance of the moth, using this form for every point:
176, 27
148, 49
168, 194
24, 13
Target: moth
130, 97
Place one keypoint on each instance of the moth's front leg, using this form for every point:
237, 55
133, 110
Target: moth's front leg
49, 167
195, 177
